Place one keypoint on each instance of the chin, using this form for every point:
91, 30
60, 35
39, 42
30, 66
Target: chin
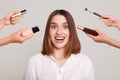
60, 46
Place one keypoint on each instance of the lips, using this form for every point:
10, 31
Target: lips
59, 39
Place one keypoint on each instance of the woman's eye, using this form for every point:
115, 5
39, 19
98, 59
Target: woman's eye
53, 26
66, 26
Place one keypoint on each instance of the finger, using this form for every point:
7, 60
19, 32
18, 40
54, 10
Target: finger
22, 30
14, 22
13, 13
27, 37
16, 18
17, 15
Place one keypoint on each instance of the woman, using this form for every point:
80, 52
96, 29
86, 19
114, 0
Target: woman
60, 58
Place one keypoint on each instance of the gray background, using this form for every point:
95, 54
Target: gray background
14, 57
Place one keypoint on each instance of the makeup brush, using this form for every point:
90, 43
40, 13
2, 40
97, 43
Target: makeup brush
88, 30
86, 9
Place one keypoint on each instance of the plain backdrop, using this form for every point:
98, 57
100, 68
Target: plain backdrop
14, 57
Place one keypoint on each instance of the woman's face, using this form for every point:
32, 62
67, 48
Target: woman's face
59, 32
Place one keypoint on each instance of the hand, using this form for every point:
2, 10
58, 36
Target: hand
12, 18
18, 38
102, 38
110, 21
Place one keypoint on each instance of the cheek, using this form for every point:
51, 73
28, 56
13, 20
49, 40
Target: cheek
51, 36
52, 32
67, 33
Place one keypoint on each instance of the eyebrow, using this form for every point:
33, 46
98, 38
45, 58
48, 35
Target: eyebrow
52, 23
65, 23
55, 23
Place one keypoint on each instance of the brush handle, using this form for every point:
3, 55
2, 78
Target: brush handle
97, 14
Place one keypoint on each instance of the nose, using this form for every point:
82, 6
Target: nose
59, 31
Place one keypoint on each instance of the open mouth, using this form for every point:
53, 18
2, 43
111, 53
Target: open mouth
59, 38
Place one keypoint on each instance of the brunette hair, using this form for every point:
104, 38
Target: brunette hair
73, 46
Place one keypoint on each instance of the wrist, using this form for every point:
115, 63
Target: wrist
118, 25
8, 39
4, 41
2, 23
107, 40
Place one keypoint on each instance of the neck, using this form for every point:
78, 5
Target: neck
58, 54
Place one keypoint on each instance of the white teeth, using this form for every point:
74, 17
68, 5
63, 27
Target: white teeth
59, 38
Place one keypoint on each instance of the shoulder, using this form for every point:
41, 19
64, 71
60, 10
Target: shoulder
37, 57
84, 58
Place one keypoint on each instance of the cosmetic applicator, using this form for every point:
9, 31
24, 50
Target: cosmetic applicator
31, 31
23, 11
86, 9
88, 30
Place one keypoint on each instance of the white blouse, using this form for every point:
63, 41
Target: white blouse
43, 67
